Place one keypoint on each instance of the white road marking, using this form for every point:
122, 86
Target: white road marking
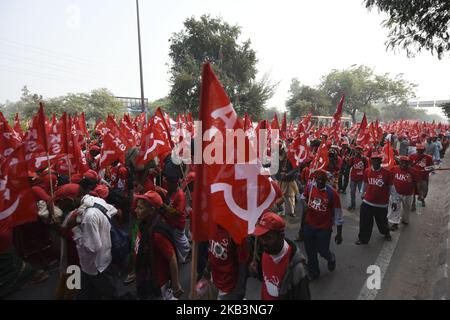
383, 260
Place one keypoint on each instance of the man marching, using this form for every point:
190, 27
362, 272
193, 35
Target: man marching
422, 164
404, 184
376, 189
323, 209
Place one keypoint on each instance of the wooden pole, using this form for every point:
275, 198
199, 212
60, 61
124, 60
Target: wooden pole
193, 293
70, 167
50, 216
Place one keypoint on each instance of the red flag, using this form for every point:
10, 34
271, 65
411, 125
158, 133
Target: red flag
298, 151
99, 125
9, 139
247, 122
283, 132
79, 160
17, 126
82, 122
17, 203
275, 124
56, 134
161, 123
321, 159
129, 134
336, 124
307, 123
36, 145
231, 195
154, 143
114, 145
388, 156
362, 131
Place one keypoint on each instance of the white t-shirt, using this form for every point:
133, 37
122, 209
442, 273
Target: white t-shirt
93, 237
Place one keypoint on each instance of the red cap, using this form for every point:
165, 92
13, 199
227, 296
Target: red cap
420, 147
95, 148
67, 191
48, 179
161, 191
376, 155
269, 221
321, 173
153, 198
77, 177
100, 191
40, 194
189, 178
123, 172
91, 175
404, 158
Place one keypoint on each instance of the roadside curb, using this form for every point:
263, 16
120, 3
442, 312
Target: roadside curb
442, 285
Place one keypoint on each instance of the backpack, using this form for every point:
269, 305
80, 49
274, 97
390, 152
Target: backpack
120, 240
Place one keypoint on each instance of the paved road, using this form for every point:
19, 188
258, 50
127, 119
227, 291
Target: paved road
408, 264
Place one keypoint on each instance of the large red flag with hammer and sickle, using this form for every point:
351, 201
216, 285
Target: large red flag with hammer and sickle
233, 195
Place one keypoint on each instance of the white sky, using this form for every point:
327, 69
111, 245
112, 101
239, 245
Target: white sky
61, 46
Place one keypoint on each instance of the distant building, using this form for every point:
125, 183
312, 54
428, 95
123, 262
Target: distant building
427, 104
133, 105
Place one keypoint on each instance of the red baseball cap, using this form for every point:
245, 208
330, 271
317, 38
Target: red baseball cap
100, 191
420, 147
40, 194
91, 175
321, 173
123, 172
152, 197
404, 158
67, 191
77, 177
376, 155
269, 221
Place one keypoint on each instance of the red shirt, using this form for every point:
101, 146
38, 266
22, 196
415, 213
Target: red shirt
224, 258
419, 163
377, 186
305, 175
404, 181
273, 275
278, 192
358, 165
163, 251
178, 202
320, 212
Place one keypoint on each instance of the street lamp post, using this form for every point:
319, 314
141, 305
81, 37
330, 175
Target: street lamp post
140, 59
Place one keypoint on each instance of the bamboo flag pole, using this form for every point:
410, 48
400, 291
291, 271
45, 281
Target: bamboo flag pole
50, 216
193, 293
70, 167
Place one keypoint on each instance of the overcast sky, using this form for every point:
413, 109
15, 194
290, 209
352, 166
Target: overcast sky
61, 46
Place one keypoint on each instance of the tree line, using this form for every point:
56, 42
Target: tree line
211, 39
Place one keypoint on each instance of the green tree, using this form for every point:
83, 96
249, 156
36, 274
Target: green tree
362, 88
213, 40
97, 103
269, 113
304, 99
164, 103
102, 102
418, 24
446, 108
404, 112
26, 106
